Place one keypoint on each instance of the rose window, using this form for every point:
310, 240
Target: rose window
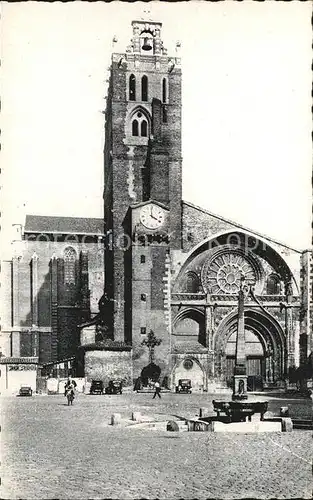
222, 275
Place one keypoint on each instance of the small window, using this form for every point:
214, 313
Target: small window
273, 285
144, 88
69, 266
192, 283
144, 129
142, 259
135, 131
164, 96
164, 114
132, 88
143, 297
143, 330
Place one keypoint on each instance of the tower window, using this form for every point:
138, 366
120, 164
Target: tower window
135, 131
143, 330
132, 88
144, 88
69, 266
164, 96
140, 125
143, 297
164, 114
142, 259
144, 128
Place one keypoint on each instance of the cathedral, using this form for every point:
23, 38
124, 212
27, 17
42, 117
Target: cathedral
158, 279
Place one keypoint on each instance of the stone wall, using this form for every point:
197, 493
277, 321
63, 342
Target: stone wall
108, 365
43, 311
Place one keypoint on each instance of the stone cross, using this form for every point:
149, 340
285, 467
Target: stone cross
151, 341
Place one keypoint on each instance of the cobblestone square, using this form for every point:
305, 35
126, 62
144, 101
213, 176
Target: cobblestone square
50, 450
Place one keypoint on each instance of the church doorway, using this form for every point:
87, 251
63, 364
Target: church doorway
265, 350
189, 368
255, 360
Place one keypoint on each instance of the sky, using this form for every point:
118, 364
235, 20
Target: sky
246, 101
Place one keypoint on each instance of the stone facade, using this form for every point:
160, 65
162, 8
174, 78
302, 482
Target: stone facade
108, 365
52, 284
169, 266
179, 275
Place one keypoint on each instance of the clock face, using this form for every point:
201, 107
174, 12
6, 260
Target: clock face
152, 216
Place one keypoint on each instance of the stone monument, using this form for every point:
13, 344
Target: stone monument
240, 370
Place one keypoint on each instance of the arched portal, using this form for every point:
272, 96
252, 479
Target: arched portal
265, 349
189, 368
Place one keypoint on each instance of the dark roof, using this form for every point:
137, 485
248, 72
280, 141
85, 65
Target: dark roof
63, 225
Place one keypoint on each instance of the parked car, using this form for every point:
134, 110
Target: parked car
96, 387
25, 390
114, 387
184, 386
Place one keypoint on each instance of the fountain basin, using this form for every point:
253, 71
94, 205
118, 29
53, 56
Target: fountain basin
240, 411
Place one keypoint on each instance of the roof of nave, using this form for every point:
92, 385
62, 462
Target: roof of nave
63, 225
239, 226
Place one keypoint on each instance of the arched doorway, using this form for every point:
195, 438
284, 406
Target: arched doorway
265, 349
189, 368
256, 359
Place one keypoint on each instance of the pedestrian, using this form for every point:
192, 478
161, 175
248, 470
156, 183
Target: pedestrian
70, 385
157, 389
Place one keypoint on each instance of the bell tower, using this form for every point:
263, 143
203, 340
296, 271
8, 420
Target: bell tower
142, 165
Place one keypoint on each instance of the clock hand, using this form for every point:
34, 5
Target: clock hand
152, 213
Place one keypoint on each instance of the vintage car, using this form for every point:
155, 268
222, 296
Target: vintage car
25, 390
184, 386
96, 387
114, 387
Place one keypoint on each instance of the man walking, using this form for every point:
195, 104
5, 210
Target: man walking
157, 389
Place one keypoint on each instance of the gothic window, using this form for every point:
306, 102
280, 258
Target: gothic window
192, 283
69, 266
164, 96
132, 88
144, 128
139, 124
135, 131
144, 88
272, 285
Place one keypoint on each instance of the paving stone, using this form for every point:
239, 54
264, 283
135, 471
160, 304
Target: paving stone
52, 451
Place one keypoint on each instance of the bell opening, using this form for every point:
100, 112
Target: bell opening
147, 44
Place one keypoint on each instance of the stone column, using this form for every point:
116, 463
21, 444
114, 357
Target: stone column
241, 337
209, 329
209, 323
306, 334
54, 308
34, 289
240, 370
269, 372
289, 336
15, 291
35, 343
